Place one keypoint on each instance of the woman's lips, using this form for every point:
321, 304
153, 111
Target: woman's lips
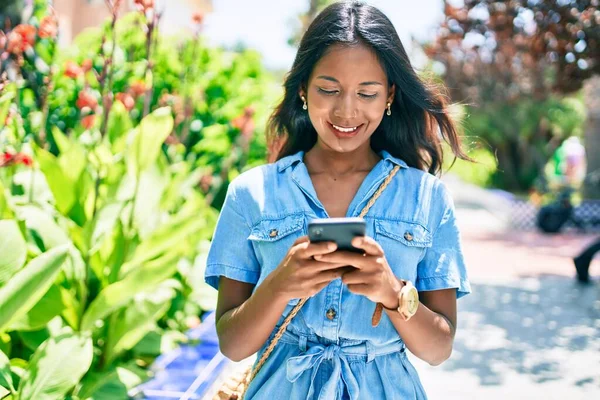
344, 135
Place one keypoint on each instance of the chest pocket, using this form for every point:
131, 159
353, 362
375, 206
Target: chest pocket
272, 239
404, 244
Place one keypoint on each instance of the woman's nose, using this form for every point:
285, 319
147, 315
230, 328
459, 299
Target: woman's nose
346, 108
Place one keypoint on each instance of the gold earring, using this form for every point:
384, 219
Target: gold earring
304, 106
389, 109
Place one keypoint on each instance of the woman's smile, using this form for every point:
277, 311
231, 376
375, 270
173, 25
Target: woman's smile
344, 132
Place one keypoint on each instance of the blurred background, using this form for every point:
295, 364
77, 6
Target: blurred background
122, 123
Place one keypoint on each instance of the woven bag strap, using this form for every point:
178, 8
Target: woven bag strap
298, 306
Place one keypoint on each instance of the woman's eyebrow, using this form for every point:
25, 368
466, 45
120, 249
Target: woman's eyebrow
332, 79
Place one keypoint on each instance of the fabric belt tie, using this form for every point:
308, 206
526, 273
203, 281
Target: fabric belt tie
312, 359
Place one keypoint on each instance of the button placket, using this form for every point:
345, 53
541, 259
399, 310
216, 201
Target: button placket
332, 311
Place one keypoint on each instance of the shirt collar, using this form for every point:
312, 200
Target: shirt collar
394, 160
290, 160
293, 159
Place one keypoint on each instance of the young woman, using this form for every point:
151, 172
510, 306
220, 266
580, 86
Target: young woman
353, 110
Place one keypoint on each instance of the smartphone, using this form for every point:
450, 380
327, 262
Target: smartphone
338, 230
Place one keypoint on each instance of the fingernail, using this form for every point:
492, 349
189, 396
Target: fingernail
317, 257
331, 246
358, 241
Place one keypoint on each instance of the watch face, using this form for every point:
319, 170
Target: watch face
412, 299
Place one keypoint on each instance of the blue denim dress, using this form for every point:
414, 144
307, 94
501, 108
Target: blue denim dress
331, 350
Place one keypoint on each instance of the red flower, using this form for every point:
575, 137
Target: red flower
88, 121
24, 159
126, 99
244, 122
6, 157
198, 17
21, 38
205, 183
9, 159
87, 65
144, 5
138, 88
48, 27
171, 140
72, 70
86, 99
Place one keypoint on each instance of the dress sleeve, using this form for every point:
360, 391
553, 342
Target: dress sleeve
231, 253
443, 266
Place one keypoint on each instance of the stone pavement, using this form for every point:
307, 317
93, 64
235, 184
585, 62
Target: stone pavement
528, 330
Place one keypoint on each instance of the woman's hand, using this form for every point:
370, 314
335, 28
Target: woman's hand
299, 275
372, 276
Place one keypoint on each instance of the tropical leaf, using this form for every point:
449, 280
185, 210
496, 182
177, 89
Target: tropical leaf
120, 293
13, 249
28, 285
43, 380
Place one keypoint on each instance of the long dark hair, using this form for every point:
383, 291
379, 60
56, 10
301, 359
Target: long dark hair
419, 120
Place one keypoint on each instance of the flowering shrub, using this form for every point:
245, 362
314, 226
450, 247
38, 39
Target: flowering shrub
114, 158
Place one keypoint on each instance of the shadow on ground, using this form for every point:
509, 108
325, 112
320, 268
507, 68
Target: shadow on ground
545, 327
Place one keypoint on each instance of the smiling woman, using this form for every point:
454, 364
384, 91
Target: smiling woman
355, 119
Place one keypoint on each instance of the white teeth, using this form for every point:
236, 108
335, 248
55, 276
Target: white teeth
345, 130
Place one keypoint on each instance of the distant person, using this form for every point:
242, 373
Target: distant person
583, 261
574, 161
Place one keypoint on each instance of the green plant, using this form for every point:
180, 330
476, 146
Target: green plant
111, 174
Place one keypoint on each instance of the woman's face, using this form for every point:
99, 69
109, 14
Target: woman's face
347, 96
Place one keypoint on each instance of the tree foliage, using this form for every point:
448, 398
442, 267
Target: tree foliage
511, 61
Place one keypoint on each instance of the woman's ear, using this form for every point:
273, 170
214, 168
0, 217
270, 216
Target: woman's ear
302, 92
391, 93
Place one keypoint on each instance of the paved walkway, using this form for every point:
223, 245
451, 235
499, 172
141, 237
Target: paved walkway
528, 330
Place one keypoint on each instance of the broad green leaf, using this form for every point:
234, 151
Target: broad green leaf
59, 183
120, 293
147, 202
137, 320
5, 101
148, 138
63, 143
34, 339
158, 342
71, 307
13, 249
168, 236
56, 367
47, 231
43, 226
18, 367
28, 285
104, 224
5, 376
49, 306
119, 123
112, 384
5, 343
5, 209
72, 163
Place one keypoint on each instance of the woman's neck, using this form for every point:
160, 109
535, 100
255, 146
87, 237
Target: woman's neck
326, 161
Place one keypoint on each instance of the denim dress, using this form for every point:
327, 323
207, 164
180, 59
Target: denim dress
330, 350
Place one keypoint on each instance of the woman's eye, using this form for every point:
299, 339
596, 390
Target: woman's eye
328, 92
367, 96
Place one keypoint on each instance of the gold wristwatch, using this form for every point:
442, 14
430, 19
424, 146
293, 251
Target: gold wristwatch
408, 303
408, 300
